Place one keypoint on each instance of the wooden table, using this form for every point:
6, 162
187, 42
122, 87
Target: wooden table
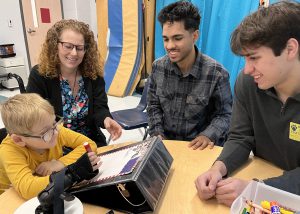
179, 195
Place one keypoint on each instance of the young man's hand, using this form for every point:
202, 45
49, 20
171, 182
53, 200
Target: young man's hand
229, 189
201, 142
114, 129
206, 183
48, 167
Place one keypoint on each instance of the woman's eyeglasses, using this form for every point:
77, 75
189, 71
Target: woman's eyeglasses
47, 136
67, 46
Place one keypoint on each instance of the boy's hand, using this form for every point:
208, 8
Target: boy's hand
201, 142
83, 169
95, 160
48, 167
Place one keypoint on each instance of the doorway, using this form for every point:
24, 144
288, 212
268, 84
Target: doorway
38, 16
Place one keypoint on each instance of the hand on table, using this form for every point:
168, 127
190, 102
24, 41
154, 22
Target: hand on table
201, 142
206, 184
229, 189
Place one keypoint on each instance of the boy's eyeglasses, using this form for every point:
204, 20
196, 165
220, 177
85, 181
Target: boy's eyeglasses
67, 46
47, 136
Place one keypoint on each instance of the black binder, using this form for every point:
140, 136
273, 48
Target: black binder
136, 192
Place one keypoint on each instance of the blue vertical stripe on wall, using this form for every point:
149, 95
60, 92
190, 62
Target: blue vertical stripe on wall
115, 46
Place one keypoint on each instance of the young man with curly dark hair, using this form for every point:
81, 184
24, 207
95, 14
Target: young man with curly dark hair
189, 94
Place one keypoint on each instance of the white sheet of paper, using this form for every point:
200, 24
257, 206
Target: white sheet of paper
113, 163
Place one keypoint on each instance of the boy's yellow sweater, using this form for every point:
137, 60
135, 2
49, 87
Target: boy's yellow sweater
18, 164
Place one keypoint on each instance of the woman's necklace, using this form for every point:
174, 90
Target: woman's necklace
74, 85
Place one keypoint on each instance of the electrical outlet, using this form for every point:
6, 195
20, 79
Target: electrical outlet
9, 22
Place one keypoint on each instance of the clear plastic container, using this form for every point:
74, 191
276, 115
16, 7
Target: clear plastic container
257, 192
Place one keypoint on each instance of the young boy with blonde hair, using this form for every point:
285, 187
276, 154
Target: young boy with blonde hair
33, 147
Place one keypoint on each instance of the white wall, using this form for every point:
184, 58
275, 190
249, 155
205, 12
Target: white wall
82, 10
10, 10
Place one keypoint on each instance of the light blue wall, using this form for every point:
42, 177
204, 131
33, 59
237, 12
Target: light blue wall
218, 19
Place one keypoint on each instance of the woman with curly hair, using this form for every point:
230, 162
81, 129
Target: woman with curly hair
70, 76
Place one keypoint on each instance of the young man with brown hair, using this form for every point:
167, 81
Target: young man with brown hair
265, 118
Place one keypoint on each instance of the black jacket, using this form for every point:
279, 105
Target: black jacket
49, 88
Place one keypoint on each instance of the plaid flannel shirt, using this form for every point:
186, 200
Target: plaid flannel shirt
184, 107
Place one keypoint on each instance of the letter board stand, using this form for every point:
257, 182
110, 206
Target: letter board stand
136, 192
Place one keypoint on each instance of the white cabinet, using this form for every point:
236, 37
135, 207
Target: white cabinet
13, 65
